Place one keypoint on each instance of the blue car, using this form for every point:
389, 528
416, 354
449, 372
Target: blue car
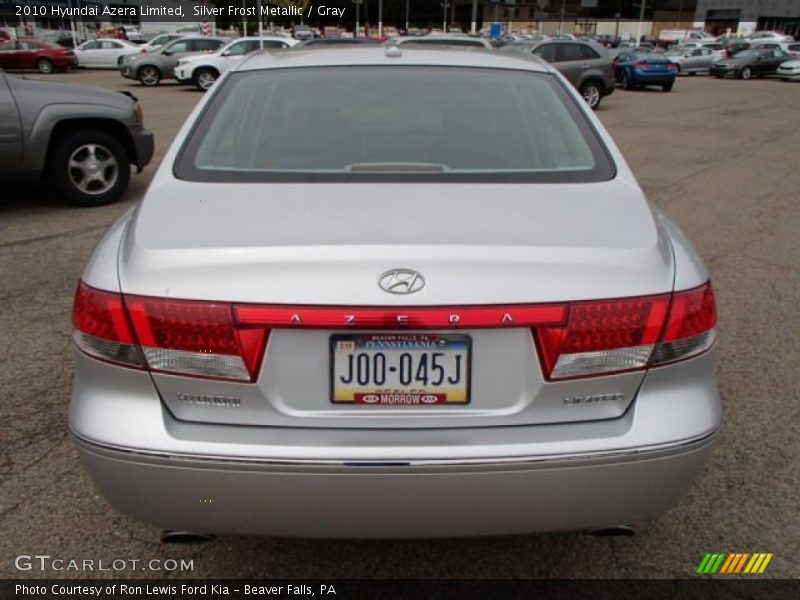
634, 70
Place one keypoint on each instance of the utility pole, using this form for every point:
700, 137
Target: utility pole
408, 12
380, 18
474, 27
639, 25
444, 16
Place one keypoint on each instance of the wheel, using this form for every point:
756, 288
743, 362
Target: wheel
718, 76
692, 73
745, 73
148, 75
45, 65
205, 78
667, 86
90, 168
627, 84
119, 62
592, 94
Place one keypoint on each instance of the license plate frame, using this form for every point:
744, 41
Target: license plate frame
449, 339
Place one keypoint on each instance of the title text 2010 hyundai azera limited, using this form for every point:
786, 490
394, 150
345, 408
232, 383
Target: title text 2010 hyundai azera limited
446, 309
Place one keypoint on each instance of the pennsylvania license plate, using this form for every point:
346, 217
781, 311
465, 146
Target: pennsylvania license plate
403, 369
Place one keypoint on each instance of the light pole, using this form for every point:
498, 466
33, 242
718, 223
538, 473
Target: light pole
561, 18
408, 12
474, 27
639, 24
358, 26
72, 27
380, 18
260, 28
244, 18
445, 6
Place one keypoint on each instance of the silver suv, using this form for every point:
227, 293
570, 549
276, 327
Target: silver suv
587, 65
150, 68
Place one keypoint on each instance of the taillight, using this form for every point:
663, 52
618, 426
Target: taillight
102, 328
195, 338
690, 327
644, 66
609, 336
171, 336
227, 341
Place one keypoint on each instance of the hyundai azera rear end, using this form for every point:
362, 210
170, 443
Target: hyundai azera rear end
444, 309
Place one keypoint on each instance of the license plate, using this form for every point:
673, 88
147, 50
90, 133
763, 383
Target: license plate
400, 369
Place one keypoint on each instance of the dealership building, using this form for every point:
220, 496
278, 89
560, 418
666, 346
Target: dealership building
746, 16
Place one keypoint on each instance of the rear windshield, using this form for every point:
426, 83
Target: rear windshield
397, 123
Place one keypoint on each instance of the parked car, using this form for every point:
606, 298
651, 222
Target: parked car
152, 67
733, 45
770, 36
24, 54
304, 366
587, 65
750, 63
637, 70
608, 40
789, 70
792, 48
667, 37
104, 53
204, 69
159, 40
303, 32
81, 139
692, 60
442, 39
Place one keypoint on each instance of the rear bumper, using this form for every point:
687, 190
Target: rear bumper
652, 78
385, 483
434, 500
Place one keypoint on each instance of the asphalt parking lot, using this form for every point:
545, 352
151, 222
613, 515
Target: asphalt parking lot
718, 157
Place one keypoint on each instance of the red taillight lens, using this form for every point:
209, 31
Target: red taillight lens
227, 341
690, 326
620, 335
102, 328
195, 338
641, 66
602, 336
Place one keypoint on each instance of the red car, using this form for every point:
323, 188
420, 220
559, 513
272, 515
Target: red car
34, 54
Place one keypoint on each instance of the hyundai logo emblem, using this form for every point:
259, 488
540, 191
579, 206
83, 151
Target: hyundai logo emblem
401, 281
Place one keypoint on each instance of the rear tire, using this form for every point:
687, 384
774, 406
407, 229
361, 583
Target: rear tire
592, 93
148, 75
45, 66
745, 73
627, 84
90, 168
667, 87
205, 78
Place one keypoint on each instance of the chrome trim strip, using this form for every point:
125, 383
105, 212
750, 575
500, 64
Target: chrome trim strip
658, 449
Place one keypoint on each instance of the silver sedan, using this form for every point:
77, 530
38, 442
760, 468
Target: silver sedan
447, 310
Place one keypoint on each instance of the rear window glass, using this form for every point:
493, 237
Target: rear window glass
398, 123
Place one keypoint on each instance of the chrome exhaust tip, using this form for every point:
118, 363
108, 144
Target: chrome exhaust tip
185, 537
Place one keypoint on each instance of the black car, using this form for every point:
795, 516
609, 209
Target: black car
750, 63
732, 46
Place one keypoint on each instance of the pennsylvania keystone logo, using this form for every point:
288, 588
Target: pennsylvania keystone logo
734, 563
